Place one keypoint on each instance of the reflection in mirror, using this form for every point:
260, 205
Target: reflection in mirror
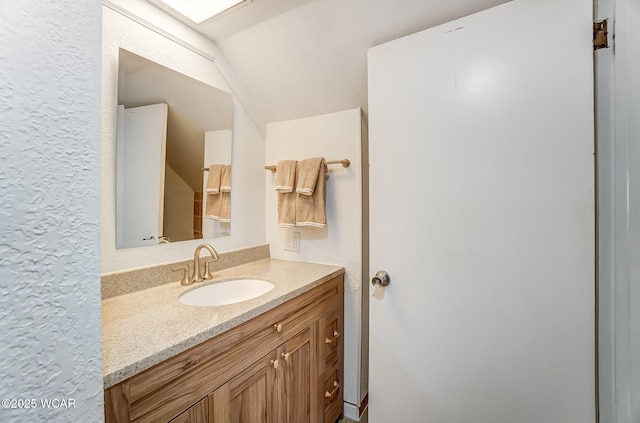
171, 129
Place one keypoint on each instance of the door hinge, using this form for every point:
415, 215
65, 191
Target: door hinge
600, 35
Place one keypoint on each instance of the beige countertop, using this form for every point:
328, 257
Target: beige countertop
146, 327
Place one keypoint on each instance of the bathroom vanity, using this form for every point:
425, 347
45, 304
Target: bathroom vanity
276, 358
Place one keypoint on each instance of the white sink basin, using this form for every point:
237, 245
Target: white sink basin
226, 292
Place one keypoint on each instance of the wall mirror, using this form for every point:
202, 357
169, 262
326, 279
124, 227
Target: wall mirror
171, 129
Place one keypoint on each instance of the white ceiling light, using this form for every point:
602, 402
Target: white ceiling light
199, 11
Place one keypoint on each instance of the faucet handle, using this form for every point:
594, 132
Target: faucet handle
185, 275
207, 270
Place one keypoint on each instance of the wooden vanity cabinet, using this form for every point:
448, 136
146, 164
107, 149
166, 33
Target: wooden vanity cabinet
278, 388
246, 397
198, 413
284, 366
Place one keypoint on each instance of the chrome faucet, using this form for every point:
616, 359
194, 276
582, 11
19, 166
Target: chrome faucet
199, 275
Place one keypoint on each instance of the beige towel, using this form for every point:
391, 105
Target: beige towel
311, 208
219, 207
218, 192
213, 207
225, 194
307, 176
287, 209
286, 175
225, 207
213, 180
285, 185
225, 178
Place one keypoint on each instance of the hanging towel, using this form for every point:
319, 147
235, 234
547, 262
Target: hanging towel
311, 208
287, 209
225, 206
213, 199
307, 176
286, 175
213, 180
213, 207
225, 178
285, 185
225, 194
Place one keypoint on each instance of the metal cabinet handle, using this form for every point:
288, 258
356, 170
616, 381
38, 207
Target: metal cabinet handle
336, 334
278, 327
285, 356
328, 394
274, 363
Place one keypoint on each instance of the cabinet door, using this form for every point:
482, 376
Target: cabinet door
198, 413
247, 398
295, 395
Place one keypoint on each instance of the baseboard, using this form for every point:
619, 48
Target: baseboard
354, 412
351, 412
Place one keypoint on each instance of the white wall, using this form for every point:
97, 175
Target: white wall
49, 256
248, 226
333, 136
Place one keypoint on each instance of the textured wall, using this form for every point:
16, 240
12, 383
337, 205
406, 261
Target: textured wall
50, 344
247, 197
333, 136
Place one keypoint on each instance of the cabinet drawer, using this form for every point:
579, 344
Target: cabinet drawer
331, 343
332, 394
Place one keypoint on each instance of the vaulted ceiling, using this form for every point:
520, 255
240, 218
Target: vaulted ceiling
301, 58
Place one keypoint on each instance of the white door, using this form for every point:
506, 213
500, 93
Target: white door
140, 152
482, 213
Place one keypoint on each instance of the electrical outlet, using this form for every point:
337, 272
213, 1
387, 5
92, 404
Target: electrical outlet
292, 241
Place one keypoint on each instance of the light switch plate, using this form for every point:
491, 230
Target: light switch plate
291, 241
